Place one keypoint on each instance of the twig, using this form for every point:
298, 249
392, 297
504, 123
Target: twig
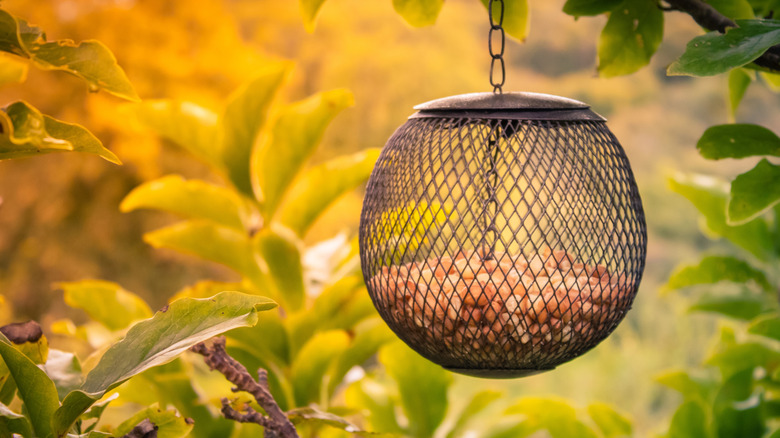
276, 423
709, 18
144, 429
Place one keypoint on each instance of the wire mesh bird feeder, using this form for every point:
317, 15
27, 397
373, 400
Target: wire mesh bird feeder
502, 234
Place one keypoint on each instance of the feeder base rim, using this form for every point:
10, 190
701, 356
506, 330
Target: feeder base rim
499, 373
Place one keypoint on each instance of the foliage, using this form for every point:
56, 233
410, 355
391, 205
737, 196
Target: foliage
27, 132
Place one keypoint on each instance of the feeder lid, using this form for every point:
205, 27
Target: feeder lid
515, 105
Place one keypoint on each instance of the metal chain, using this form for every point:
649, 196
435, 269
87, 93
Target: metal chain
497, 65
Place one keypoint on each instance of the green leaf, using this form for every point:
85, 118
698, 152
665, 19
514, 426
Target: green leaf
708, 195
740, 357
280, 249
310, 415
188, 125
714, 269
89, 60
268, 338
193, 199
767, 326
369, 336
422, 386
25, 132
689, 421
284, 149
12, 69
734, 9
169, 424
744, 306
310, 9
244, 116
311, 364
611, 422
739, 81
716, 53
418, 13
11, 422
579, 8
691, 387
516, 17
211, 242
317, 188
64, 369
772, 80
374, 399
102, 301
753, 193
738, 141
159, 340
554, 415
736, 411
630, 37
36, 390
478, 403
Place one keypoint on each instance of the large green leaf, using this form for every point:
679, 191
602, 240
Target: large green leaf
244, 116
744, 306
554, 415
169, 424
708, 195
64, 369
310, 9
36, 390
316, 189
281, 250
690, 387
193, 199
283, 149
25, 132
106, 302
739, 81
611, 422
740, 357
478, 403
159, 340
768, 326
422, 386
418, 13
738, 141
734, 9
211, 242
736, 411
516, 17
373, 398
12, 422
689, 421
369, 336
716, 53
753, 193
714, 269
578, 8
188, 125
89, 60
312, 363
630, 37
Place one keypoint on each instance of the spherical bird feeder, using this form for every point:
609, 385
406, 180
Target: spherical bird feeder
502, 234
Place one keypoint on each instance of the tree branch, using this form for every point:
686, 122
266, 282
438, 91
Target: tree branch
709, 18
276, 423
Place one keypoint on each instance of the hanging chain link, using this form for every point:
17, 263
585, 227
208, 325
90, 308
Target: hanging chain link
497, 65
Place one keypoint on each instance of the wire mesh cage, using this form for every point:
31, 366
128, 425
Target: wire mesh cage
502, 234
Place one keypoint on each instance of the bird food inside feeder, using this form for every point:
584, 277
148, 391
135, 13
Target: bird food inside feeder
491, 303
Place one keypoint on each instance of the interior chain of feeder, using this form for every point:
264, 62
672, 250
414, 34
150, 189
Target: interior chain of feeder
490, 201
497, 66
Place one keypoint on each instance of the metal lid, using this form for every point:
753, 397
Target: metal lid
516, 105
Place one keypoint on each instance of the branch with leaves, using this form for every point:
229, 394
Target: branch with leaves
276, 423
